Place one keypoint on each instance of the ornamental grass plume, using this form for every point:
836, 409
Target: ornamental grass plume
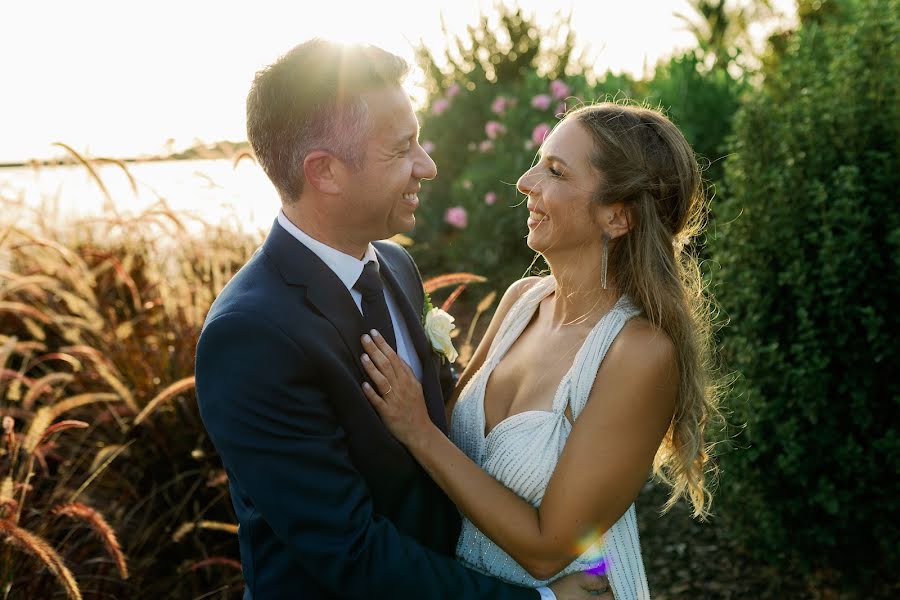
41, 550
95, 520
98, 321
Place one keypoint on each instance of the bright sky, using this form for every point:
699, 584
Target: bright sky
121, 78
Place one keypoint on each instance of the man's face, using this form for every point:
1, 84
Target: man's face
382, 197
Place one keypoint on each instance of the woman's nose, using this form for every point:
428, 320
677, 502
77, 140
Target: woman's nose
526, 182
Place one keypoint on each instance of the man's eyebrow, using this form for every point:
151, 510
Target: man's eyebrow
406, 136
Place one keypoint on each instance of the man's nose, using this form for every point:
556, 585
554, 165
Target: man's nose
425, 167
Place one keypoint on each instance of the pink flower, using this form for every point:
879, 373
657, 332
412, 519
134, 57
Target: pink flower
490, 198
541, 101
540, 132
456, 216
428, 146
486, 146
493, 129
439, 106
559, 89
560, 109
499, 104
453, 90
467, 184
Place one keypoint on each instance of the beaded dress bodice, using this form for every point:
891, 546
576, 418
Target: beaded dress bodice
522, 450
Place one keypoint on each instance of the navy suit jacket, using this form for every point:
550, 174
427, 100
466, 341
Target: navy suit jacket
329, 504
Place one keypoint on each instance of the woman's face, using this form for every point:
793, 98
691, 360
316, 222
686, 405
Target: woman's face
560, 187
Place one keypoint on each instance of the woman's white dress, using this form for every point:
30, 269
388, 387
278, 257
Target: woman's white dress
522, 450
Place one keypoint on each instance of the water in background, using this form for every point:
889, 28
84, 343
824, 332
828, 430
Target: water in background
211, 190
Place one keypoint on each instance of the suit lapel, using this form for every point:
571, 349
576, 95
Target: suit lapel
299, 266
431, 385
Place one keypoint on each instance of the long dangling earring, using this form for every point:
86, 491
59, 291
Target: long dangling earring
604, 260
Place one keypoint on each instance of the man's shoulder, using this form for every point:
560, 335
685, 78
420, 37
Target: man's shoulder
254, 289
393, 251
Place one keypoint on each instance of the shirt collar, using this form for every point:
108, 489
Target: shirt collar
347, 268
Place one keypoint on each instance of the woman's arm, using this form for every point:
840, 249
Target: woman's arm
599, 474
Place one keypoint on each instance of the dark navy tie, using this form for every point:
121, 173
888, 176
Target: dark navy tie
374, 305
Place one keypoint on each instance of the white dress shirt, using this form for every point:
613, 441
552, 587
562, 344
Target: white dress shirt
348, 269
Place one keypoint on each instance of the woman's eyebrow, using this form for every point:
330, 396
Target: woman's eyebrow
554, 158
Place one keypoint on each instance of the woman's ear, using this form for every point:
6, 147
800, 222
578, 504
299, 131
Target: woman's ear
321, 171
615, 219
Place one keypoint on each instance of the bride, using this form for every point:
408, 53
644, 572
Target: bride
585, 378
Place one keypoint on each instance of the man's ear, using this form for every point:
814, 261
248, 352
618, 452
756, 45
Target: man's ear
320, 170
615, 219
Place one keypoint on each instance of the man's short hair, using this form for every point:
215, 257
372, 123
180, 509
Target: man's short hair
311, 99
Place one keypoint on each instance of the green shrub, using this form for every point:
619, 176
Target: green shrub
808, 244
701, 102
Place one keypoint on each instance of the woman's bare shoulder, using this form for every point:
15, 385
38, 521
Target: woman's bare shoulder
640, 338
518, 289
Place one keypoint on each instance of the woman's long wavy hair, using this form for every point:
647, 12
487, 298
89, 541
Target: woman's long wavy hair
645, 162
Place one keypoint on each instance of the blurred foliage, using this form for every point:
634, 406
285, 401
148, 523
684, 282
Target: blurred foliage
722, 30
808, 243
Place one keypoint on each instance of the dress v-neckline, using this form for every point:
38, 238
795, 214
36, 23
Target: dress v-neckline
495, 358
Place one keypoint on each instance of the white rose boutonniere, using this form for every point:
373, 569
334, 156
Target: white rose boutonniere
438, 325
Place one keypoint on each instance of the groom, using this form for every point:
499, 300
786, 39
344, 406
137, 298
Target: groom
329, 504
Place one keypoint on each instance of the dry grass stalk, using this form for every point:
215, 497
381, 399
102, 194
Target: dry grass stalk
27, 346
452, 297
15, 376
77, 305
173, 390
80, 400
95, 355
42, 384
83, 512
70, 257
216, 560
66, 358
35, 330
108, 452
114, 382
36, 284
188, 527
62, 426
41, 550
121, 272
6, 350
95, 472
121, 164
45, 416
20, 309
467, 348
6, 489
442, 281
108, 204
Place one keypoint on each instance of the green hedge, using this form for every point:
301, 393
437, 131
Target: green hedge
808, 245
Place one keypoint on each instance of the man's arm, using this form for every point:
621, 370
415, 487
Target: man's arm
277, 434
